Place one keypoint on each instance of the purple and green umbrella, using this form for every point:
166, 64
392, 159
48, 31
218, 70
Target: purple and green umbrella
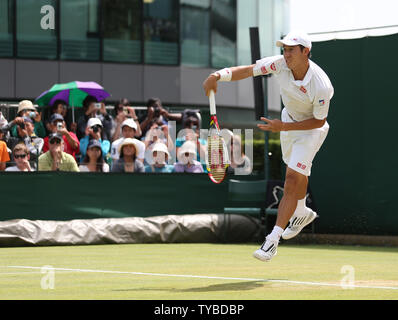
73, 93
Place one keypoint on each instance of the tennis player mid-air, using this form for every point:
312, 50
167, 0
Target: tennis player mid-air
306, 92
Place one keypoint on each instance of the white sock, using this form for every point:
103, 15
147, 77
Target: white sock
300, 209
276, 233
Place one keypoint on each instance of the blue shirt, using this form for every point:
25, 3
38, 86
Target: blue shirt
168, 168
105, 146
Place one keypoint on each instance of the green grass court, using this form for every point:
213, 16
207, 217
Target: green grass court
185, 271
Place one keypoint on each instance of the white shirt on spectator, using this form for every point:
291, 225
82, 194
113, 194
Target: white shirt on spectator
84, 168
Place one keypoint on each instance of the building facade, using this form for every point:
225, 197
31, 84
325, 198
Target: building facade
136, 49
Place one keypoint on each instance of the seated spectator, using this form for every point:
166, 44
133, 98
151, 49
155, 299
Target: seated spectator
21, 157
191, 132
240, 163
60, 107
26, 109
128, 161
160, 155
4, 156
91, 110
94, 161
55, 159
157, 114
26, 135
154, 135
57, 125
187, 159
94, 131
123, 112
129, 129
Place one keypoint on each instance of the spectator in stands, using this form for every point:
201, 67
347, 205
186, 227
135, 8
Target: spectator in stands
129, 129
26, 135
240, 163
191, 132
94, 109
55, 159
57, 125
26, 109
123, 112
154, 135
157, 114
4, 156
160, 156
128, 161
94, 161
21, 157
94, 131
187, 159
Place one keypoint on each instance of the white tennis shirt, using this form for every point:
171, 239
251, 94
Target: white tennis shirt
303, 99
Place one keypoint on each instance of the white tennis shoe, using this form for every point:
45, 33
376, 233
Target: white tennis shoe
298, 223
267, 250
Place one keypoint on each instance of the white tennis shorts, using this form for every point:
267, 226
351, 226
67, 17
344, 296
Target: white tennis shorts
299, 147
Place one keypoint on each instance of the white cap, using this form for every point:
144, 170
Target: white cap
130, 123
93, 122
295, 38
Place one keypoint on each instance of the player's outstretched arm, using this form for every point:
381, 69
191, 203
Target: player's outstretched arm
227, 74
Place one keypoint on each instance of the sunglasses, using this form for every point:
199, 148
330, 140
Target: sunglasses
20, 156
57, 141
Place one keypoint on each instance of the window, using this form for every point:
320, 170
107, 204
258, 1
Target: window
6, 28
80, 30
122, 30
223, 33
34, 41
195, 32
161, 31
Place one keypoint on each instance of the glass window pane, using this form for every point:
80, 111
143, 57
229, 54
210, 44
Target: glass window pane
80, 30
223, 33
6, 28
33, 40
195, 33
161, 31
122, 30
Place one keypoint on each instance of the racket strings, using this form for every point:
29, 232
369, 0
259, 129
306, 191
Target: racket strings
216, 161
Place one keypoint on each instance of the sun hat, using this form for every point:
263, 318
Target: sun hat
25, 105
126, 142
187, 147
295, 38
160, 147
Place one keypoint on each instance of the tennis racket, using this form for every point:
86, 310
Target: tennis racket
217, 153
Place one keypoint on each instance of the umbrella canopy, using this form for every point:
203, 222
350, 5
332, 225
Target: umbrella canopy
73, 93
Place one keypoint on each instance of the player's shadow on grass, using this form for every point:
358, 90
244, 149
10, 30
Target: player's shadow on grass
233, 286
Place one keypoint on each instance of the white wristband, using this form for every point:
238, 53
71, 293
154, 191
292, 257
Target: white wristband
225, 74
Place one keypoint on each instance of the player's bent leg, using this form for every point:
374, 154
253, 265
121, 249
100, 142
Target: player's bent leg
301, 218
295, 187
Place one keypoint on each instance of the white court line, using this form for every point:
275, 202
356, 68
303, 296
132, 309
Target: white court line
208, 277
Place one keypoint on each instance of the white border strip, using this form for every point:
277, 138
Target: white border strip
207, 277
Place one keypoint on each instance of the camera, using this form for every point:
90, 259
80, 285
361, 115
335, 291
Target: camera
97, 105
95, 128
32, 114
59, 126
21, 125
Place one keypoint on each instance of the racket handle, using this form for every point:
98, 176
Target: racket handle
212, 102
